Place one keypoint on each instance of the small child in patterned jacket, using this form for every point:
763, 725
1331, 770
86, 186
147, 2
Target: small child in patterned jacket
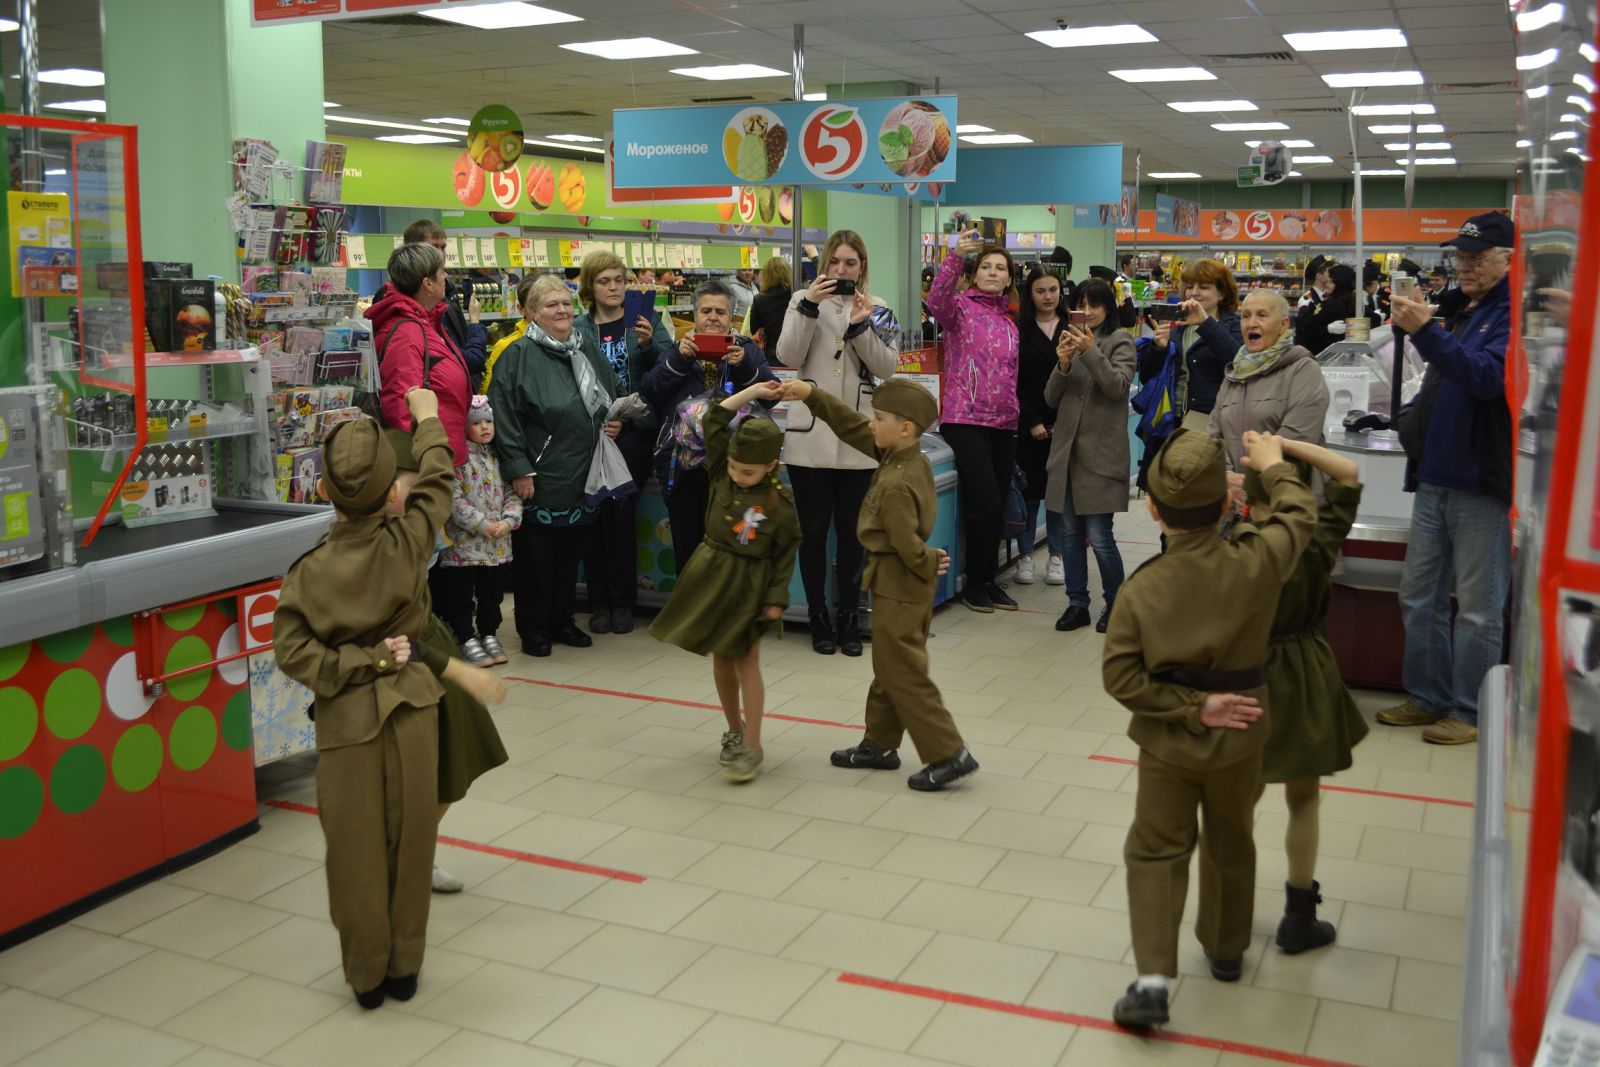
469, 580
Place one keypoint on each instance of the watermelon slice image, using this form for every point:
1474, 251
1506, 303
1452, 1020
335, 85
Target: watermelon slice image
541, 186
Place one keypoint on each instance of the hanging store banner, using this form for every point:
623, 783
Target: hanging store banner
895, 140
278, 12
1119, 214
1178, 217
1334, 226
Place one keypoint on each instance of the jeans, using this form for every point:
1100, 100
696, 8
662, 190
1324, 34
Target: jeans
1460, 540
1055, 528
985, 458
1096, 530
824, 497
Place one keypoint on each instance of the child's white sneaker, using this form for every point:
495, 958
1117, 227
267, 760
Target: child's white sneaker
1024, 573
445, 882
1055, 573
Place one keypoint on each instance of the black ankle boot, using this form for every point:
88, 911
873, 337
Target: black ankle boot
1300, 929
849, 633
822, 633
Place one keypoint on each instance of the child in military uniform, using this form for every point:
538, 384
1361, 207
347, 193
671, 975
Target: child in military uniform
896, 518
345, 620
1196, 687
469, 744
730, 595
1315, 722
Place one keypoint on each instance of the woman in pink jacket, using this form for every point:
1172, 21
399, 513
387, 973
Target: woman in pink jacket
979, 401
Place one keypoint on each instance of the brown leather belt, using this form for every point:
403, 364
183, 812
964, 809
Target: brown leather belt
1215, 681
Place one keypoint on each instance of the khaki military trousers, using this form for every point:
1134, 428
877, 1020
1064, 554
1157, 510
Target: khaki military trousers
1176, 808
903, 699
379, 807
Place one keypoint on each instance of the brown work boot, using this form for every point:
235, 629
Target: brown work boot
1406, 713
1450, 732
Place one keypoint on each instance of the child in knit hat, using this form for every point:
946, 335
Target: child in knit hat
470, 580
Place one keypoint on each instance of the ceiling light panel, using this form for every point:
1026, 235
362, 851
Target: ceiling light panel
575, 138
83, 79
815, 96
1373, 79
973, 127
1540, 17
1196, 106
1393, 109
1436, 161
88, 107
630, 48
500, 16
1345, 40
1313, 159
1390, 131
330, 103
996, 138
1380, 172
1421, 146
1093, 36
1165, 74
1248, 127
1536, 60
416, 138
9, 26
1286, 144
1173, 174
450, 122
387, 125
730, 72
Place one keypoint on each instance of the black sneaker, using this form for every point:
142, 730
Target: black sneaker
978, 600
1140, 1009
1000, 597
822, 642
1104, 621
401, 988
1074, 618
621, 621
1225, 970
536, 645
372, 998
600, 621
868, 755
936, 776
571, 635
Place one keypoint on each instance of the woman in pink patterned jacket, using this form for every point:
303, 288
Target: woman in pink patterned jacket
979, 401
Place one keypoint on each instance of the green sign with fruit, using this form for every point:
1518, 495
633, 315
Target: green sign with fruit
494, 139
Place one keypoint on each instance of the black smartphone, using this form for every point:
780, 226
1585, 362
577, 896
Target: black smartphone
844, 287
1166, 312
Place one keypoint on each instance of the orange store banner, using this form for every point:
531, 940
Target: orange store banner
1387, 226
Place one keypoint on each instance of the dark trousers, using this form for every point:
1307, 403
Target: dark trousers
825, 496
985, 459
463, 596
611, 556
686, 514
546, 576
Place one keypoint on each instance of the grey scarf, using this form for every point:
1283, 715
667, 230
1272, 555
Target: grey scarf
594, 395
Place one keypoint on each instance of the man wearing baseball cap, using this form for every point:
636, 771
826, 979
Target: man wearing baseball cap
1457, 437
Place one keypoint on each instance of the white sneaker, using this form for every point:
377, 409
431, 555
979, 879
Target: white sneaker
445, 882
1024, 572
1054, 572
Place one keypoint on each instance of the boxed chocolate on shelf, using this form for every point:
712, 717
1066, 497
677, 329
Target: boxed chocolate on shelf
193, 326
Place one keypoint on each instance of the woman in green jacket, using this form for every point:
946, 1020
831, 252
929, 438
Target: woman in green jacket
550, 393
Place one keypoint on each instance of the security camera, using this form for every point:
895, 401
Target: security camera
1062, 24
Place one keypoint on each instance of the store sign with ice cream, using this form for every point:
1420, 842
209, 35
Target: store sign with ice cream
833, 142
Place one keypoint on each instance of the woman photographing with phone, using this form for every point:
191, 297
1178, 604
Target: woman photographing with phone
979, 420
1041, 322
841, 339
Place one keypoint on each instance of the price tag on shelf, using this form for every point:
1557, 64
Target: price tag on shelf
516, 252
566, 253
452, 252
469, 252
636, 253
541, 253
356, 248
399, 241
697, 257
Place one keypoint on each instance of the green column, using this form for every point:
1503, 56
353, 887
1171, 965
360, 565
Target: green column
192, 76
13, 352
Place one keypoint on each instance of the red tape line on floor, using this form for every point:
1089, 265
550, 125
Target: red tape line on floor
495, 850
1337, 788
1090, 1022
681, 703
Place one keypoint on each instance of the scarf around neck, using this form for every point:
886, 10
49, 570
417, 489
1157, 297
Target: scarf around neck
594, 395
1248, 364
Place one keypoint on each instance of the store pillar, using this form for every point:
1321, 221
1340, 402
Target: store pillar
190, 77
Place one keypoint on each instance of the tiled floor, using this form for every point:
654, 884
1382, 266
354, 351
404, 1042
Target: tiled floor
815, 916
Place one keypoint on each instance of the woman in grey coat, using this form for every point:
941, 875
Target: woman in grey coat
1089, 456
1272, 385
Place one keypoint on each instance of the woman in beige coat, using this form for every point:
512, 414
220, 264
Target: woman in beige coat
1089, 457
842, 344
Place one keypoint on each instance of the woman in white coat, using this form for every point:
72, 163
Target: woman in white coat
842, 343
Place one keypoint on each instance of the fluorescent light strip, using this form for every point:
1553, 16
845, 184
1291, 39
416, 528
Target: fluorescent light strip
566, 147
730, 72
1093, 36
1389, 131
1173, 174
500, 16
450, 122
996, 138
1421, 146
92, 107
1164, 74
1580, 101
1538, 92
389, 125
1247, 127
1572, 116
1565, 135
576, 138
416, 138
58, 172
1381, 172
1373, 79
1538, 60
1586, 50
1189, 107
1539, 18
83, 79
1313, 159
1345, 40
630, 48
815, 96
973, 127
1524, 144
1584, 82
1436, 161
1286, 144
1393, 109
330, 103
9, 26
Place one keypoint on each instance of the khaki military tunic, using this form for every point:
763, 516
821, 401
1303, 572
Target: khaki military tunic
377, 727
1204, 607
896, 520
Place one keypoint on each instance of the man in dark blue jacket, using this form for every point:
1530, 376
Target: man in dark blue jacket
1457, 437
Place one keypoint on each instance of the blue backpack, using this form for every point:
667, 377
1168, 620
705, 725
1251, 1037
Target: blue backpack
1157, 401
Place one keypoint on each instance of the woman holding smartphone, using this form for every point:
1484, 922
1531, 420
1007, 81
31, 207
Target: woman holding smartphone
843, 340
1041, 322
980, 408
